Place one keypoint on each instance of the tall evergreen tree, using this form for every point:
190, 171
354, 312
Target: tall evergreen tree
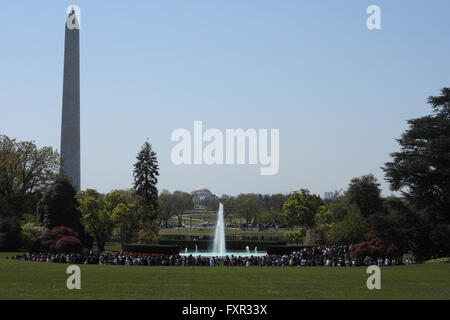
145, 173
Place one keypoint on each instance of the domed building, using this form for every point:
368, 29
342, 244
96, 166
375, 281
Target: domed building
201, 196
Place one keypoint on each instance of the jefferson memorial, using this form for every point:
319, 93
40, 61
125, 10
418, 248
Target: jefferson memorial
201, 196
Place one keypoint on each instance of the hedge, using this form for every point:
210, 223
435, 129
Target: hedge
151, 248
234, 245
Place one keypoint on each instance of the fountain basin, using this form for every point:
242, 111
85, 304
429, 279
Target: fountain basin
242, 253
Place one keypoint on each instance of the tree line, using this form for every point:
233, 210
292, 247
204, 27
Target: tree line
35, 196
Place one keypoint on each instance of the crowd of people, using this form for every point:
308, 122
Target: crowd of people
314, 256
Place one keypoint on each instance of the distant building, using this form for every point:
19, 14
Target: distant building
201, 196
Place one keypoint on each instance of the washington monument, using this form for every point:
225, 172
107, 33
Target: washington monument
70, 125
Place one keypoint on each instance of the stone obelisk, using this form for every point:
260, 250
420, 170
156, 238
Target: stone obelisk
70, 125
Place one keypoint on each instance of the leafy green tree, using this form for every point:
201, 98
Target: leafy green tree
26, 171
272, 209
366, 194
247, 206
121, 205
145, 173
349, 230
96, 216
318, 234
166, 210
301, 208
339, 207
297, 235
272, 217
10, 233
174, 204
229, 206
323, 216
30, 232
315, 235
274, 202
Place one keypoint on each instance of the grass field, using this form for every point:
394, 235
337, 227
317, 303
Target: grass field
35, 280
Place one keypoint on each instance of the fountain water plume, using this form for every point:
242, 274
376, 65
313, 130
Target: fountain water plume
219, 236
219, 245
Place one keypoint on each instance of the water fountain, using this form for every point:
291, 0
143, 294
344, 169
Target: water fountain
219, 235
219, 244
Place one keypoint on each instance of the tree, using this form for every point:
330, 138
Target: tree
273, 209
366, 194
421, 172
25, 173
301, 208
166, 210
10, 234
58, 206
274, 202
96, 216
350, 230
145, 175
30, 232
229, 206
174, 204
323, 216
396, 224
339, 207
272, 217
121, 205
297, 235
247, 206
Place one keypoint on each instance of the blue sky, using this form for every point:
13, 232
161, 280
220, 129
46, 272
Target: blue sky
338, 92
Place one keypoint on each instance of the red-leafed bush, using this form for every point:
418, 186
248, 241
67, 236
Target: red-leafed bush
359, 250
374, 248
48, 239
68, 244
394, 251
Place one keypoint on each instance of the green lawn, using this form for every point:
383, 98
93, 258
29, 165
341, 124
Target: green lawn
35, 280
